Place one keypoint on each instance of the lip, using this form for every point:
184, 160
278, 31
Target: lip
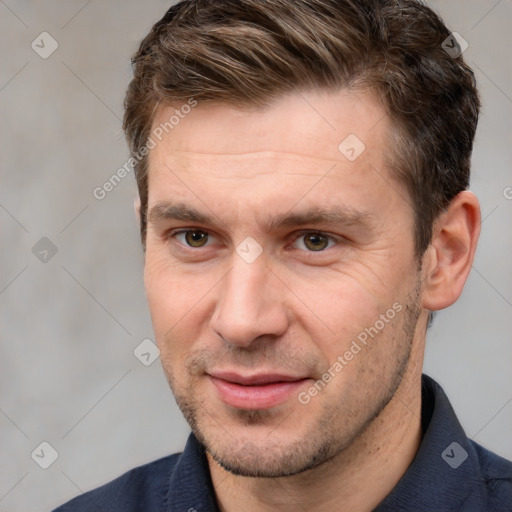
259, 391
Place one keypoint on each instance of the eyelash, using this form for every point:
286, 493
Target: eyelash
330, 238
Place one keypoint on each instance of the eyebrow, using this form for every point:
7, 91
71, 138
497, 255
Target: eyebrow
337, 216
177, 211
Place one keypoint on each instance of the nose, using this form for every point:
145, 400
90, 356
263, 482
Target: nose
251, 304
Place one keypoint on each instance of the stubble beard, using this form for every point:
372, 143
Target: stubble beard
338, 426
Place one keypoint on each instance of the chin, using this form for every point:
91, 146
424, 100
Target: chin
267, 460
256, 449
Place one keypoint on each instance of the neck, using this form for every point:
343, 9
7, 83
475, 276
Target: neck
359, 478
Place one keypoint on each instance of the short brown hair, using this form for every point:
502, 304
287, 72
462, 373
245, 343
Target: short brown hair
246, 53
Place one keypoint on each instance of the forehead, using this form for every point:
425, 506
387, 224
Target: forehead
309, 126
313, 148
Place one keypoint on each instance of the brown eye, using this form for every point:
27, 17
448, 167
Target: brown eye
315, 241
196, 238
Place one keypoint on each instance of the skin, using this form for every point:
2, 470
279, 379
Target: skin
295, 310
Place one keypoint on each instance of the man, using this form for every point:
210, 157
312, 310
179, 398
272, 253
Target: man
303, 170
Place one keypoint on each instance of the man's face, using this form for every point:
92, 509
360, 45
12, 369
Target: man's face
271, 257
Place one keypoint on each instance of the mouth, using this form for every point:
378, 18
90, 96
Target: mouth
259, 391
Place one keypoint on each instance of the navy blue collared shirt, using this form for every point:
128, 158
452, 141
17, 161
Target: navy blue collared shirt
449, 473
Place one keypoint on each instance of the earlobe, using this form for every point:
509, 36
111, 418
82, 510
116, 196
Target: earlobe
449, 258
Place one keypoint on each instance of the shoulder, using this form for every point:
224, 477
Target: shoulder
144, 486
496, 476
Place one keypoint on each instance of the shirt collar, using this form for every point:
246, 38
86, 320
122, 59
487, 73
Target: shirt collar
191, 487
445, 472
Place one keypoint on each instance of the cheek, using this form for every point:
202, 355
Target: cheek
348, 304
178, 302
346, 311
345, 294
167, 296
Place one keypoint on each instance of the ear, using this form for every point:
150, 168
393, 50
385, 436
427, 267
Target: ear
136, 206
447, 261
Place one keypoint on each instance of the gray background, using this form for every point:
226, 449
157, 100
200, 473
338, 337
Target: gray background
69, 325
